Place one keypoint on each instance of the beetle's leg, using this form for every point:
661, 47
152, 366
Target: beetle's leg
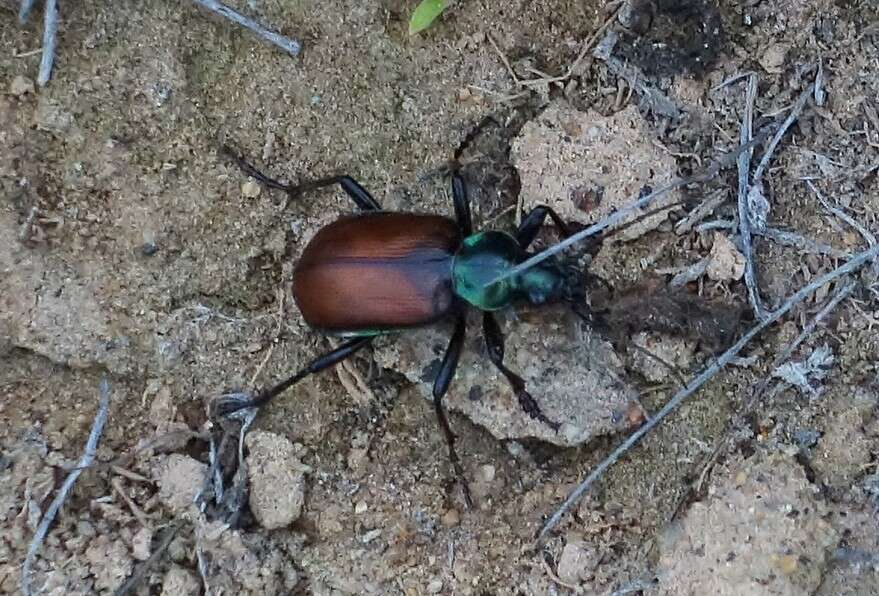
224, 406
440, 386
494, 340
251, 171
532, 223
462, 204
358, 194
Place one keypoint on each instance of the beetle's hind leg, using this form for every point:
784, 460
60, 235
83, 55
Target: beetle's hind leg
494, 340
440, 386
352, 188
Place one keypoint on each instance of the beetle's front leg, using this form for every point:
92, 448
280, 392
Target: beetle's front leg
440, 386
462, 205
532, 223
494, 340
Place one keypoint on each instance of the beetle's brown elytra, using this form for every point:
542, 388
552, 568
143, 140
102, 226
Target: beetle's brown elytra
397, 265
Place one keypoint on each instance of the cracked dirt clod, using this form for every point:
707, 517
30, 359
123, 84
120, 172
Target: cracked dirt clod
277, 480
577, 561
109, 562
237, 562
180, 478
725, 262
180, 582
576, 380
843, 447
762, 532
585, 165
676, 351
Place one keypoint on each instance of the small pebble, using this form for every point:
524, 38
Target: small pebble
148, 249
179, 581
370, 536
21, 85
435, 586
788, 564
277, 480
140, 544
178, 550
360, 507
577, 561
86, 529
251, 189
451, 518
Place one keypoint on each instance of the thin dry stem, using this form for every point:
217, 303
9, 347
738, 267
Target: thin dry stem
707, 374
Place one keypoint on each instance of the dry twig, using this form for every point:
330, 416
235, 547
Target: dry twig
868, 236
744, 166
85, 461
290, 46
841, 294
24, 10
707, 374
50, 33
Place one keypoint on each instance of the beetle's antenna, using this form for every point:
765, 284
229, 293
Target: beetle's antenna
727, 160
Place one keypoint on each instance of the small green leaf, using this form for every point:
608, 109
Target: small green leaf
425, 14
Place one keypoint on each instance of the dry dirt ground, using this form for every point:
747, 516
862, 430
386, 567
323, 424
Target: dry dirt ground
131, 248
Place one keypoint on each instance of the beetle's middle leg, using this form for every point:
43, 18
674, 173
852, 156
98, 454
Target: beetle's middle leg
230, 404
532, 223
440, 386
352, 188
494, 340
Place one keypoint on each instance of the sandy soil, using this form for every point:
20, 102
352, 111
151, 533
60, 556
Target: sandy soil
131, 248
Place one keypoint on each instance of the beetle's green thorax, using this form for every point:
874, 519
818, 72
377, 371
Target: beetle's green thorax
486, 255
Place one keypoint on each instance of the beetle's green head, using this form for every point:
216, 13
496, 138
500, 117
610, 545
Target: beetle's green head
485, 256
542, 283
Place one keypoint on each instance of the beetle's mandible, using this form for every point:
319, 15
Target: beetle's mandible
379, 272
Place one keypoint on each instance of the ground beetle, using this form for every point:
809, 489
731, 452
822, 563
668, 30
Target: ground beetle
378, 272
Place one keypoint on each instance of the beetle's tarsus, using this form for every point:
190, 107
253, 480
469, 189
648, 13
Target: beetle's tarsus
231, 405
465, 488
530, 406
249, 169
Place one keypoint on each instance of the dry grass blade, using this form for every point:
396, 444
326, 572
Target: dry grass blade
776, 138
803, 244
136, 579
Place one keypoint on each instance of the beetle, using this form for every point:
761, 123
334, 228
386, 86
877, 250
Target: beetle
378, 272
